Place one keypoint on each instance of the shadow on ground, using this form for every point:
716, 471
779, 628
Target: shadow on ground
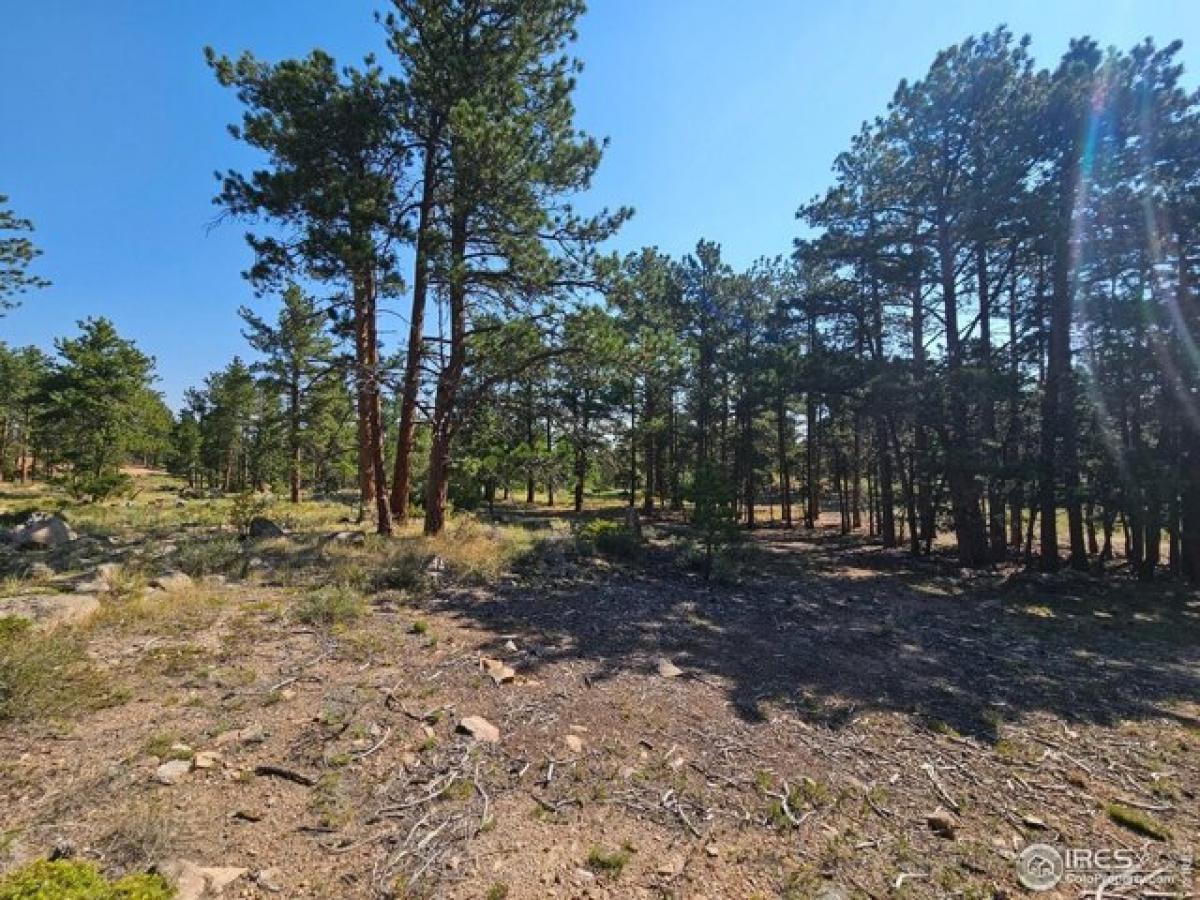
831, 628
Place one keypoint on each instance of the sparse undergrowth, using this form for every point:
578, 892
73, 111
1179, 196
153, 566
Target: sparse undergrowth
45, 675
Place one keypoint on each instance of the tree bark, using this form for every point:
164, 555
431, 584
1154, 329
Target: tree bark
402, 472
437, 488
370, 414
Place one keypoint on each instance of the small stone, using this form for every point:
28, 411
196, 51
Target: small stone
172, 771
194, 882
496, 670
510, 646
347, 537
574, 743
480, 729
252, 734
713, 850
206, 759
668, 669
270, 880
172, 581
584, 876
941, 824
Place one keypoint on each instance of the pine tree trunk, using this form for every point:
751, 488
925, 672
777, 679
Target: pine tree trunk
964, 493
294, 438
366, 352
437, 488
887, 497
549, 464
1047, 462
812, 464
785, 477
402, 471
995, 494
648, 450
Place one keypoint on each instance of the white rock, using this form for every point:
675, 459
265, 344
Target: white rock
668, 669
172, 771
41, 532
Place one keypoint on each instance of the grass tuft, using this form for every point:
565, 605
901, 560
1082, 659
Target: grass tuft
608, 863
1137, 821
330, 606
45, 674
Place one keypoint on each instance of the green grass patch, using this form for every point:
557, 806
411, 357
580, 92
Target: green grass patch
70, 880
608, 863
1137, 821
330, 606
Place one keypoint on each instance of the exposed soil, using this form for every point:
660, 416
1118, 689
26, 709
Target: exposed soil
923, 724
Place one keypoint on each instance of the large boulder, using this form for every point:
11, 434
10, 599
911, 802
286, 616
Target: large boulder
41, 531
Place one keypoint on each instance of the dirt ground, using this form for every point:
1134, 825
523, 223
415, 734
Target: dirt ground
839, 721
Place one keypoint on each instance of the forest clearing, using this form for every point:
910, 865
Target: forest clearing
387, 511
924, 723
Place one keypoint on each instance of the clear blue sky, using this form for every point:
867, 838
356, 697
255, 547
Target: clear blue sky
724, 116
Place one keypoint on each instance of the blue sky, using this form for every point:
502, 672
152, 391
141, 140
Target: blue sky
724, 116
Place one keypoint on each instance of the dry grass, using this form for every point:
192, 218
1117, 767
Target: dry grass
160, 612
45, 675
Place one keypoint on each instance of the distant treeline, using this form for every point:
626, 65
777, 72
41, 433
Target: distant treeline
989, 324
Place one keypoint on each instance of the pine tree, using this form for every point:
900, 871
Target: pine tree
17, 253
334, 184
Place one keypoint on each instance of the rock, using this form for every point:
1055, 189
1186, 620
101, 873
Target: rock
510, 646
347, 537
196, 882
480, 729
50, 610
713, 850
270, 880
668, 669
498, 671
103, 578
41, 531
941, 824
39, 571
173, 581
574, 743
252, 734
261, 527
172, 771
206, 759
